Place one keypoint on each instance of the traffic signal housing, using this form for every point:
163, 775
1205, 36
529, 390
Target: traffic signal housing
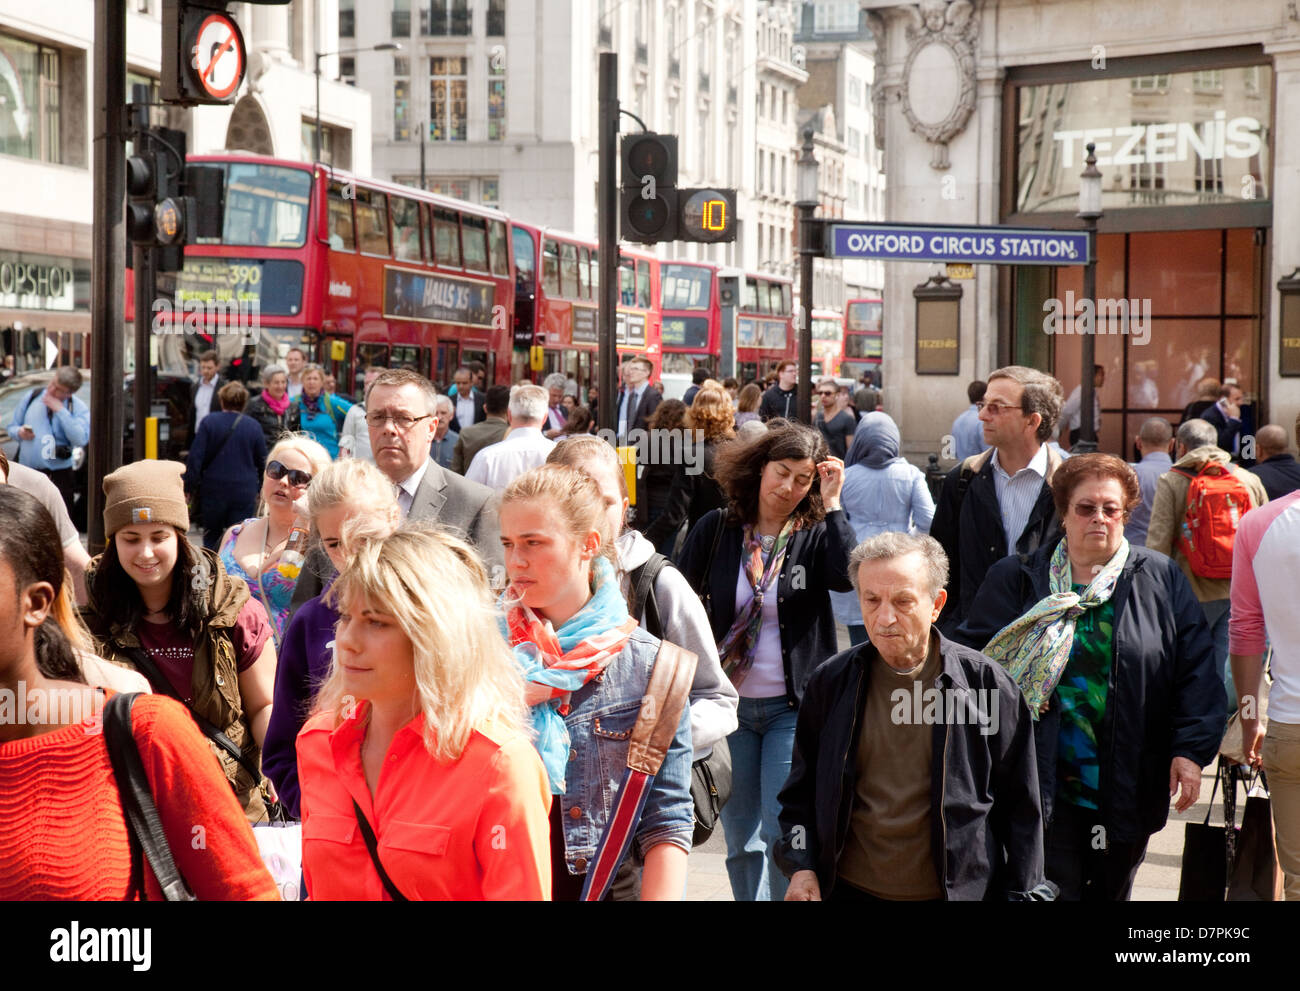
649, 200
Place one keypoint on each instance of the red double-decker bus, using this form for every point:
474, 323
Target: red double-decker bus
827, 342
863, 338
557, 289
354, 271
692, 322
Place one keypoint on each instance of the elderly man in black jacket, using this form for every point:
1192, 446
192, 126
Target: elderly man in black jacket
913, 776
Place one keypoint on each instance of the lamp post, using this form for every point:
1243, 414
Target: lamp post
807, 206
387, 46
1089, 212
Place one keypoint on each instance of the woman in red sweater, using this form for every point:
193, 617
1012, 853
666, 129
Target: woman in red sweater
62, 831
420, 739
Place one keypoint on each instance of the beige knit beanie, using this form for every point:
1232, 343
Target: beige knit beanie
145, 492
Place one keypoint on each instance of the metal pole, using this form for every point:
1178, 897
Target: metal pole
423, 182
144, 266
607, 209
806, 255
1087, 443
108, 262
315, 134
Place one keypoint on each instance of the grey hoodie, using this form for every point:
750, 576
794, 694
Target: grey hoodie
713, 697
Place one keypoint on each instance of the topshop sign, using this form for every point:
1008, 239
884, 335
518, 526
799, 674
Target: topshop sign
40, 282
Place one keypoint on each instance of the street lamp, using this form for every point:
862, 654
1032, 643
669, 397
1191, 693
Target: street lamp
387, 46
808, 180
1089, 212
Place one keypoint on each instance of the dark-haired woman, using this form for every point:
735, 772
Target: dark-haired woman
666, 424
694, 490
63, 835
170, 611
1110, 648
765, 566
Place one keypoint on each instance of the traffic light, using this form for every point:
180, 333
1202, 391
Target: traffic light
707, 215
648, 211
170, 204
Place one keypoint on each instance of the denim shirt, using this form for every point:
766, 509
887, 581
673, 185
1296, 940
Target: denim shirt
600, 722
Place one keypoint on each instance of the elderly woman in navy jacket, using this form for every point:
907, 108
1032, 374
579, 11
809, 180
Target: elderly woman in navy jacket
1110, 648
764, 566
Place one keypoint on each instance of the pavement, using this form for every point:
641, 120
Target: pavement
1157, 878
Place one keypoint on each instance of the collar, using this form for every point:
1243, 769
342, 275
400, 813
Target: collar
346, 739
212, 381
1157, 457
1037, 464
413, 482
524, 431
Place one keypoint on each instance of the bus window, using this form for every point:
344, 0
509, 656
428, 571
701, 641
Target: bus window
584, 269
446, 236
595, 274
643, 285
626, 283
497, 247
525, 259
568, 270
473, 235
764, 297
372, 222
774, 289
406, 229
265, 205
787, 301
749, 296
550, 267
341, 229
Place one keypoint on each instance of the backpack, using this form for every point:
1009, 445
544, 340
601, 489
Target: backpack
1216, 500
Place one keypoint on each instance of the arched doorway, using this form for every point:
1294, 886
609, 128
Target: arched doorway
249, 130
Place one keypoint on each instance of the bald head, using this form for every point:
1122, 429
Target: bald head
1155, 435
1270, 441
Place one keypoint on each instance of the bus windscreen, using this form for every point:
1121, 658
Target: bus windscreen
266, 206
685, 287
866, 316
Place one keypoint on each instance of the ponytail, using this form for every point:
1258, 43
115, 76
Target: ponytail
54, 655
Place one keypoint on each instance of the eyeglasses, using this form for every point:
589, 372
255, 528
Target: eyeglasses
823, 392
401, 421
995, 409
276, 471
1086, 511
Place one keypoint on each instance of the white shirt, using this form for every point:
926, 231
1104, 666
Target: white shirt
1072, 414
203, 400
354, 438
499, 464
627, 411
1018, 493
295, 388
465, 410
406, 490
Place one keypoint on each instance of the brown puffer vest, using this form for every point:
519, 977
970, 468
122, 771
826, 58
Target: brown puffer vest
214, 688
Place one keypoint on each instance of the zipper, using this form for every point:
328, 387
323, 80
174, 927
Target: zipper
943, 824
839, 793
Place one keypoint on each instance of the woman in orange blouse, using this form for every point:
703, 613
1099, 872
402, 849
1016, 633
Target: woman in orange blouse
419, 739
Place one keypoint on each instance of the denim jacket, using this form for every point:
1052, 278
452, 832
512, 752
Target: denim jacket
600, 722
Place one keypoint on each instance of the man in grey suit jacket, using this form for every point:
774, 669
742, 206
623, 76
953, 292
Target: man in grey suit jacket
404, 404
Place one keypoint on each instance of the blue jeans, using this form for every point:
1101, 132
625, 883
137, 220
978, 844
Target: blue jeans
1217, 614
760, 762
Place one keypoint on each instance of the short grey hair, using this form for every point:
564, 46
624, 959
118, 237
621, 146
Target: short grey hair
556, 380
1197, 433
892, 544
68, 378
528, 404
271, 371
443, 404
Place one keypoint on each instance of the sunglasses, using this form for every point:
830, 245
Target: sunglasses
823, 392
1086, 511
276, 471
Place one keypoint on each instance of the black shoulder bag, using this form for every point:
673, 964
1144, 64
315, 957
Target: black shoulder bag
143, 823
372, 847
711, 775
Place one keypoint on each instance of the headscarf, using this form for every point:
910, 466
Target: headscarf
556, 663
876, 442
1035, 648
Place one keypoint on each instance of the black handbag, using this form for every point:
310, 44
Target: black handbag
143, 822
710, 789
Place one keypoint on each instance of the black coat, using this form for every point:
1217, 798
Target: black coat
971, 533
479, 413
692, 494
816, 561
1280, 475
1166, 697
986, 830
778, 402
272, 425
1228, 430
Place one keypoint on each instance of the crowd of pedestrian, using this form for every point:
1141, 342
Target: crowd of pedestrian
479, 653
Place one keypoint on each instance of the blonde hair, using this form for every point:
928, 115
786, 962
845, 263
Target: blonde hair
466, 677
569, 494
64, 612
711, 415
361, 487
304, 444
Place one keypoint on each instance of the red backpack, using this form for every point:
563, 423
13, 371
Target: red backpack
1216, 500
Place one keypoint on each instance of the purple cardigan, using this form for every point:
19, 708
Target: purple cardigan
305, 659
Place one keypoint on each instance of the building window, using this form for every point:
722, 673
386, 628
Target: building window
1209, 175
447, 99
703, 141
855, 91
496, 97
458, 188
1207, 81
1146, 175
496, 18
445, 17
347, 18
401, 20
401, 98
29, 116
832, 16
1150, 84
491, 195
348, 70
853, 138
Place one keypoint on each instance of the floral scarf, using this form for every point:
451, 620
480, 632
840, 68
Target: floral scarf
556, 663
1035, 648
737, 648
